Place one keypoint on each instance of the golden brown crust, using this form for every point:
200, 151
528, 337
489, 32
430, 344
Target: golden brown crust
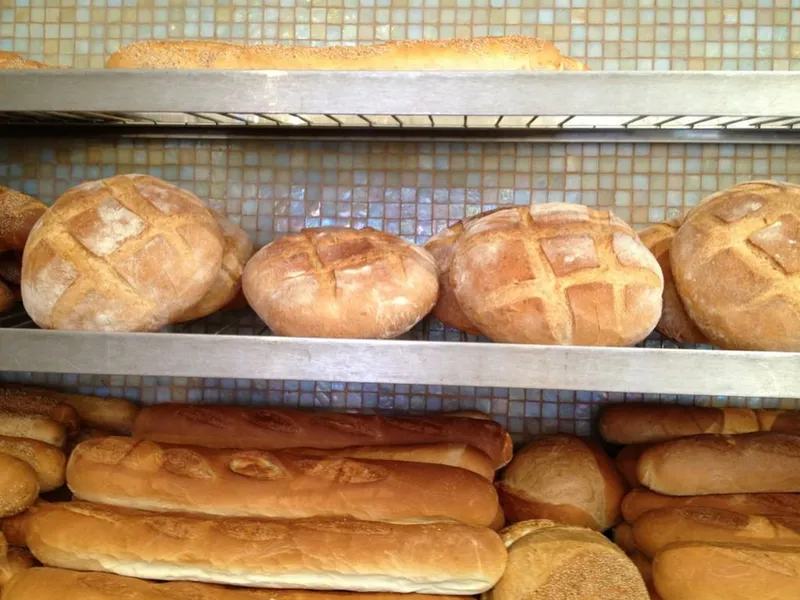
57, 584
19, 486
270, 429
13, 528
723, 464
38, 401
47, 461
509, 53
12, 60
35, 427
674, 322
16, 561
18, 214
11, 267
556, 274
626, 461
564, 479
623, 537
441, 557
128, 253
737, 266
280, 484
341, 283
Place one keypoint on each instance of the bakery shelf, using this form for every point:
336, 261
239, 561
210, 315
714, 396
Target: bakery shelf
236, 347
756, 107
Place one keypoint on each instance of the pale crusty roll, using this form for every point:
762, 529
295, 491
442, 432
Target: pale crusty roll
47, 461
128, 253
638, 502
14, 562
12, 60
674, 322
45, 583
701, 571
37, 401
623, 537
18, 214
565, 479
447, 308
454, 455
553, 562
723, 464
556, 274
657, 529
7, 299
439, 558
626, 461
34, 427
228, 283
338, 282
19, 486
509, 53
13, 528
737, 268
282, 485
275, 428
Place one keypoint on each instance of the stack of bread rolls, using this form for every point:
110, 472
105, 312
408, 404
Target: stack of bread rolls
18, 214
715, 509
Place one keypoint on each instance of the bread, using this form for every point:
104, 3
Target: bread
12, 60
38, 401
273, 428
13, 528
16, 561
509, 53
648, 423
657, 529
7, 299
674, 322
562, 478
700, 571
441, 558
11, 267
47, 461
552, 562
35, 427
721, 464
19, 486
626, 461
451, 454
60, 584
109, 414
128, 253
228, 283
556, 274
282, 485
341, 283
18, 214
623, 537
645, 568
737, 268
447, 308
639, 501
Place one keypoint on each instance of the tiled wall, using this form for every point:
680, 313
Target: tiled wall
412, 189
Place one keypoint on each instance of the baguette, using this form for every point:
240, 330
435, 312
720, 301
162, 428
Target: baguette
34, 427
656, 529
701, 571
30, 400
15, 561
271, 429
47, 461
44, 583
627, 459
13, 528
638, 502
439, 558
19, 486
509, 53
255, 483
719, 464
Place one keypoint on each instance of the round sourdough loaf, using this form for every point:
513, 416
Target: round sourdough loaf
674, 322
341, 283
565, 479
228, 283
736, 261
556, 274
129, 253
18, 214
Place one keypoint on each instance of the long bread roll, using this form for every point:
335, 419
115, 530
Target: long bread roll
720, 464
255, 483
13, 528
19, 485
637, 502
34, 427
627, 459
623, 537
35, 401
699, 571
271, 428
47, 461
510, 53
655, 530
647, 423
438, 558
14, 562
45, 583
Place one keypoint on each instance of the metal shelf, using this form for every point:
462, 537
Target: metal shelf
234, 347
662, 106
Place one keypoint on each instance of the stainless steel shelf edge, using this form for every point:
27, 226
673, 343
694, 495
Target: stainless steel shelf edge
645, 370
405, 93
